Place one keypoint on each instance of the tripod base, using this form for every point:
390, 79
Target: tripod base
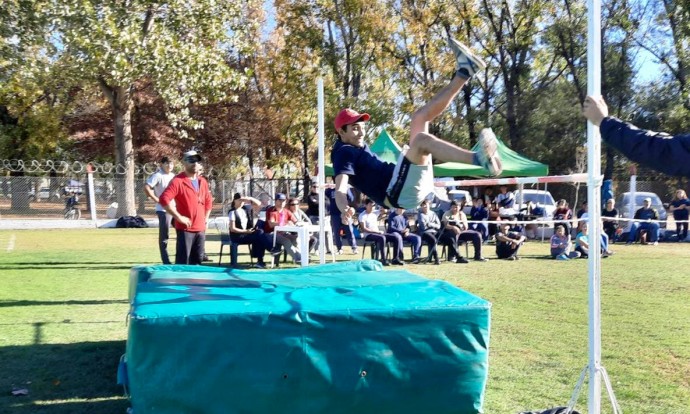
609, 390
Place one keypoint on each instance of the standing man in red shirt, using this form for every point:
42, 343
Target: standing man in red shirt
191, 209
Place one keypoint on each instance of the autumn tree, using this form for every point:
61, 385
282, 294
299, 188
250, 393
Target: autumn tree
179, 46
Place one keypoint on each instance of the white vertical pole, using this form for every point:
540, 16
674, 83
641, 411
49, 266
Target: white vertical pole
594, 210
632, 207
92, 194
321, 173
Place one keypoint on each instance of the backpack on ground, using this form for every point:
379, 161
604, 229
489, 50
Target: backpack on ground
131, 222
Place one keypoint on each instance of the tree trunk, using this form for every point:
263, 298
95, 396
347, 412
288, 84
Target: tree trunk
511, 116
470, 119
124, 153
306, 175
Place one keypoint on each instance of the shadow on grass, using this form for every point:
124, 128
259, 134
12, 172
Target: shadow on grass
12, 303
61, 377
68, 265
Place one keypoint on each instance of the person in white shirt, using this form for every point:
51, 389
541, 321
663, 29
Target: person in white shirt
243, 231
154, 187
369, 226
505, 199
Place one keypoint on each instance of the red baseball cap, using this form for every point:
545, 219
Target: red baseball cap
349, 116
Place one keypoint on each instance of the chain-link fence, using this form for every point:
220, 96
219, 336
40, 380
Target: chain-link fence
23, 197
49, 197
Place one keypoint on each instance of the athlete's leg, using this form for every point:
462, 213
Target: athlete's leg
423, 144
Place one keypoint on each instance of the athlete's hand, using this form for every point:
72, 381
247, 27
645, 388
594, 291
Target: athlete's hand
347, 214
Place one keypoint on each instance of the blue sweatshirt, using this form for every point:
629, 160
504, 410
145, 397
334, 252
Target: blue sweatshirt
397, 223
660, 151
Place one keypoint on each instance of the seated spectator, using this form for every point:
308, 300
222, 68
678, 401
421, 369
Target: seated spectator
646, 212
561, 245
505, 199
526, 213
479, 213
609, 215
508, 242
538, 210
581, 215
494, 215
313, 203
278, 215
489, 196
398, 223
337, 225
583, 210
369, 227
302, 219
563, 215
454, 224
680, 207
428, 227
242, 230
582, 242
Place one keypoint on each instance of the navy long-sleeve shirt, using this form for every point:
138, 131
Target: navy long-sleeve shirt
666, 153
397, 222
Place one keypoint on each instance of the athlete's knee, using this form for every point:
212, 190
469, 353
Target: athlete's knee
423, 140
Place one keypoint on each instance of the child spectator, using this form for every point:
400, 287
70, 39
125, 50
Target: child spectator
561, 245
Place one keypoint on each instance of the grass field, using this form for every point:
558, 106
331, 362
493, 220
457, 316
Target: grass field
63, 308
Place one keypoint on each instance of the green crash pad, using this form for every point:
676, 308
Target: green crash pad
343, 338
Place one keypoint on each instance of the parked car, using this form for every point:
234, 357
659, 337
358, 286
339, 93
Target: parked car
537, 197
623, 205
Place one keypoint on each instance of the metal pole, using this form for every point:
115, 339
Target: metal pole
632, 207
321, 174
92, 194
594, 209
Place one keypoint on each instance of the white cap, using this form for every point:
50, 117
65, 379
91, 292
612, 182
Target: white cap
191, 157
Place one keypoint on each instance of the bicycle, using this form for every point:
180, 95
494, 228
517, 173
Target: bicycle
72, 211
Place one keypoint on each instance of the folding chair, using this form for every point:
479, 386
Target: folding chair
222, 224
457, 246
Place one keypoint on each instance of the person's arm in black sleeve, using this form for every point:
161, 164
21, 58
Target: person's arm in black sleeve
658, 150
663, 152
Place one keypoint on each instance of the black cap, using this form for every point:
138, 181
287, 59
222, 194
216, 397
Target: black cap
236, 196
165, 160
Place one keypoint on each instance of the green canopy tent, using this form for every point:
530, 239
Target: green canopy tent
514, 164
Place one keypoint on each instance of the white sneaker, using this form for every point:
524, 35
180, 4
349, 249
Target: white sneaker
466, 62
339, 252
487, 156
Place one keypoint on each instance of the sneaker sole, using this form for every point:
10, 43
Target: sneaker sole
460, 49
488, 144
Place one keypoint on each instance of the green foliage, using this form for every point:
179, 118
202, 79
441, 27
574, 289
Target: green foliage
38, 135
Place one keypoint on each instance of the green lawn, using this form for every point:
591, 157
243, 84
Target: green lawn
63, 321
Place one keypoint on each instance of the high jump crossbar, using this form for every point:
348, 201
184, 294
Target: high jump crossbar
572, 178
